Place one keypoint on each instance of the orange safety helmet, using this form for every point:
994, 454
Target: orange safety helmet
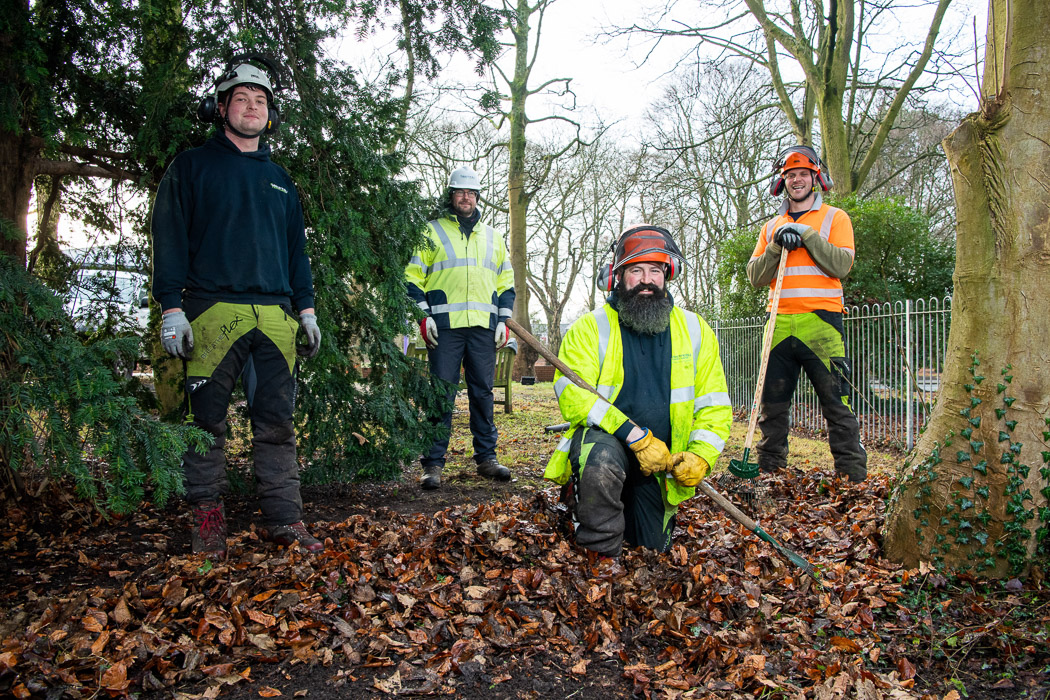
642, 243
799, 157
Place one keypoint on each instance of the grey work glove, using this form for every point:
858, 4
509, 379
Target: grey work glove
313, 333
176, 335
789, 236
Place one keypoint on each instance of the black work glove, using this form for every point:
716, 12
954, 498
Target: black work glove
789, 236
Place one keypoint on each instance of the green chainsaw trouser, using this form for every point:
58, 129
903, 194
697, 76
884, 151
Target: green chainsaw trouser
225, 336
611, 501
812, 342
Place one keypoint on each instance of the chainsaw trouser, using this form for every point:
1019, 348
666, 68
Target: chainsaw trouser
225, 336
611, 501
475, 349
812, 342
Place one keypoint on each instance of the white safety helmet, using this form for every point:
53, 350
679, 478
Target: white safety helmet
245, 74
464, 179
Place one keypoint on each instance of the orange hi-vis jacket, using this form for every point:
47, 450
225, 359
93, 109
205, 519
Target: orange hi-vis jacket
806, 286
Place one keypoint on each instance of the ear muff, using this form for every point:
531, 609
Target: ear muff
606, 278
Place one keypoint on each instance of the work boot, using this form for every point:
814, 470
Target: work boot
288, 534
431, 479
208, 535
492, 469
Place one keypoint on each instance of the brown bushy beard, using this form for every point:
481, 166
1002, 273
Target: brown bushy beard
642, 313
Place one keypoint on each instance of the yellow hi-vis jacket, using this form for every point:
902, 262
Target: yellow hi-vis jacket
460, 280
701, 414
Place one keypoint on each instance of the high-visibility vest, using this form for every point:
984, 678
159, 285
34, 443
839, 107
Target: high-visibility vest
806, 287
701, 414
462, 277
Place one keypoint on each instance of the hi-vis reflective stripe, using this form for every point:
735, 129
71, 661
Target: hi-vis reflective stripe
416, 260
715, 398
455, 261
815, 292
563, 445
604, 333
692, 322
560, 385
708, 437
597, 412
825, 225
464, 306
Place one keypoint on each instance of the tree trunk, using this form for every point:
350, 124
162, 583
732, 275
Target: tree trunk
16, 183
973, 495
517, 194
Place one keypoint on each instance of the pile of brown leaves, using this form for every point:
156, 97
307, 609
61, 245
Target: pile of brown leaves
418, 600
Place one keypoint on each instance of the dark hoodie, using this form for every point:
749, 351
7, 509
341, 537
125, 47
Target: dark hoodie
228, 226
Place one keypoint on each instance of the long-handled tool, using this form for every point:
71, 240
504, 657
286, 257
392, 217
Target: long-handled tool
742, 468
706, 488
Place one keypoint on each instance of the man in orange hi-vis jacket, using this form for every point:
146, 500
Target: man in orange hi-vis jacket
808, 332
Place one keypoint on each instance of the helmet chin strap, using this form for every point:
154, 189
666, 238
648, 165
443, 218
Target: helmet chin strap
241, 134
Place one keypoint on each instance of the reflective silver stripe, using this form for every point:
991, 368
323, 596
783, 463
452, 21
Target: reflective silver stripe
825, 225
446, 241
455, 262
707, 436
490, 248
505, 313
424, 306
804, 270
811, 292
715, 398
604, 333
416, 260
464, 306
683, 394
696, 334
559, 386
563, 445
606, 390
597, 412
767, 231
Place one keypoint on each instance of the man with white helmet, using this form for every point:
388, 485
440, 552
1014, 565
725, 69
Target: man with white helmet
463, 283
629, 459
808, 334
230, 271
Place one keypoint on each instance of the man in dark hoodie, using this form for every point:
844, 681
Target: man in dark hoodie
230, 272
630, 458
463, 282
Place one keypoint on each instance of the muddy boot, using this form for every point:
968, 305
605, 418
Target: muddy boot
289, 534
492, 469
208, 535
431, 479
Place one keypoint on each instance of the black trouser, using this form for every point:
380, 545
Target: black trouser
225, 337
612, 501
812, 342
475, 349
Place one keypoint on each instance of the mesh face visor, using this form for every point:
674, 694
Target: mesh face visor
646, 245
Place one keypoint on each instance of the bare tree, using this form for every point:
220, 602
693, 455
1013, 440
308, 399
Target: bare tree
974, 493
579, 204
525, 23
827, 43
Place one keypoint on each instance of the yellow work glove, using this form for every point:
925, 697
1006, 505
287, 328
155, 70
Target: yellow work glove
652, 453
689, 469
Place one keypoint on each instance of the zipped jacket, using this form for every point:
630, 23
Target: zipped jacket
701, 414
462, 280
813, 272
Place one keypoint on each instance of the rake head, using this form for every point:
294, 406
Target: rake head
742, 468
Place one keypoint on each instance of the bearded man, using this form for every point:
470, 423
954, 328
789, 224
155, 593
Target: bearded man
628, 460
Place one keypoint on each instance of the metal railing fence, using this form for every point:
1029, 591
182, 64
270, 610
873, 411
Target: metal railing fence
897, 352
